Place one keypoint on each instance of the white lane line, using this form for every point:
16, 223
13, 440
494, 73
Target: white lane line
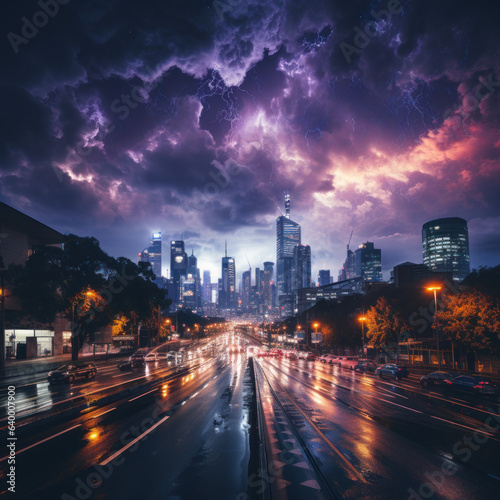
104, 413
126, 447
465, 426
119, 375
43, 441
401, 406
137, 397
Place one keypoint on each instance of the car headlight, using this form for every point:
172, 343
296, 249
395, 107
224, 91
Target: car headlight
50, 374
66, 373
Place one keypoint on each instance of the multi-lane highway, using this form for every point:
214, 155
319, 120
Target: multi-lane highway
221, 425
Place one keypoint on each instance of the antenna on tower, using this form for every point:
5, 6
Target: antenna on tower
225, 246
287, 204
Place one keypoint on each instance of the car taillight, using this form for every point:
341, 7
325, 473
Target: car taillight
448, 382
477, 387
399, 369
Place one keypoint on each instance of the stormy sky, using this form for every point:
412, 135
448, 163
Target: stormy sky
120, 118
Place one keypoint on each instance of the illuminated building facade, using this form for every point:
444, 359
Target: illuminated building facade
445, 246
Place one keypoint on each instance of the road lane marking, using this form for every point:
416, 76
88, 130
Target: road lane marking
104, 413
42, 441
401, 406
141, 395
461, 425
126, 447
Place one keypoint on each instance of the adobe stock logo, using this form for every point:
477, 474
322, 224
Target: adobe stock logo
40, 19
362, 36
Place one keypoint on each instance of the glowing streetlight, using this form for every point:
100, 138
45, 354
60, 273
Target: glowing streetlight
316, 327
434, 289
362, 319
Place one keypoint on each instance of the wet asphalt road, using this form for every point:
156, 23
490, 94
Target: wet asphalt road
371, 438
187, 433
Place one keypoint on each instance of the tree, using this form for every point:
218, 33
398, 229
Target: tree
385, 324
471, 320
85, 283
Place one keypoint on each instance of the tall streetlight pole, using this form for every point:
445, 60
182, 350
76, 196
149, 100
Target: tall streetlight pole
435, 289
362, 319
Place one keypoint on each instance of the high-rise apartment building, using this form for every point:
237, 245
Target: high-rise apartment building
445, 246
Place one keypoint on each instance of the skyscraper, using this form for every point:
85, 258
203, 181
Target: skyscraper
368, 262
445, 246
152, 254
323, 277
206, 288
178, 266
190, 284
268, 281
301, 267
245, 291
287, 237
227, 295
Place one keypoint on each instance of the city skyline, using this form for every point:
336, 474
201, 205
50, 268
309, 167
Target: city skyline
190, 122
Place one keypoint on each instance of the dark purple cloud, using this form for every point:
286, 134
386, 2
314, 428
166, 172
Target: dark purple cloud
120, 118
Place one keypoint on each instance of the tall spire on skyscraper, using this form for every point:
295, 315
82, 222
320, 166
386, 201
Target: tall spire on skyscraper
225, 245
287, 204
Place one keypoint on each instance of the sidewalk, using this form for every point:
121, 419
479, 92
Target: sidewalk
19, 367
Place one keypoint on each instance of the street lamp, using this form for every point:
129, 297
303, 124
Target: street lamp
362, 319
435, 289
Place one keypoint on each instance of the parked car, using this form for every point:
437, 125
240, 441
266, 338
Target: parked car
392, 370
441, 379
474, 384
365, 366
347, 362
70, 372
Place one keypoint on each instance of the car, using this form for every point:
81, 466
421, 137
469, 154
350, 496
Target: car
347, 362
125, 365
474, 384
151, 356
393, 371
324, 358
364, 366
302, 354
310, 357
441, 379
70, 372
